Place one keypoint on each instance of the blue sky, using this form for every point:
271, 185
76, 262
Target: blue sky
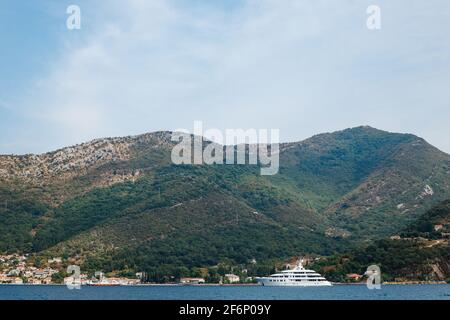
304, 67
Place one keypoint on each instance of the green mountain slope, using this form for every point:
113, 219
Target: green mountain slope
420, 253
120, 203
367, 182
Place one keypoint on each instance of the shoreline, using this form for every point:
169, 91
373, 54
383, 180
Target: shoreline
224, 285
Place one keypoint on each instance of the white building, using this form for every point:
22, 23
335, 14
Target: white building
232, 278
192, 280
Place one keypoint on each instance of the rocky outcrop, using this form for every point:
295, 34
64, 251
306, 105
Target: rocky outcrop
72, 161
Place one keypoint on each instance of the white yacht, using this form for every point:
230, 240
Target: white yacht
299, 276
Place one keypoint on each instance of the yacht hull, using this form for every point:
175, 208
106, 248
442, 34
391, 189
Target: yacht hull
266, 282
297, 277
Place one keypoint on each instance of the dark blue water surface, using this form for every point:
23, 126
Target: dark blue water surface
337, 292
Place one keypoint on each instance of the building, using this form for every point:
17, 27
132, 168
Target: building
55, 260
354, 276
192, 280
47, 280
140, 275
34, 281
232, 278
17, 281
4, 278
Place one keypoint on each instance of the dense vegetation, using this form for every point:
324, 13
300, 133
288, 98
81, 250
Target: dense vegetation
425, 225
409, 258
19, 214
143, 213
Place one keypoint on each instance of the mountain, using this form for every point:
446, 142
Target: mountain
434, 224
420, 253
366, 181
119, 203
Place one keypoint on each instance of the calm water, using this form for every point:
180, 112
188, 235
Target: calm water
337, 292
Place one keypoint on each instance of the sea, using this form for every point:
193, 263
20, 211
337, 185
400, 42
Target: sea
236, 292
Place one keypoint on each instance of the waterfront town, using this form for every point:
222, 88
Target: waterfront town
18, 269
21, 269
14, 269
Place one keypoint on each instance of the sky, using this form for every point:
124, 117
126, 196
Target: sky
303, 67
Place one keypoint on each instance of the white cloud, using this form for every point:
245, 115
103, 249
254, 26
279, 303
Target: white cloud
301, 66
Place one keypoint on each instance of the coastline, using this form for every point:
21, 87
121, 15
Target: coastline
226, 285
